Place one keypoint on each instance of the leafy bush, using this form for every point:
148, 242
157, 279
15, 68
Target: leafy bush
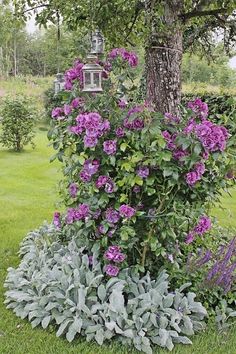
18, 120
137, 180
64, 284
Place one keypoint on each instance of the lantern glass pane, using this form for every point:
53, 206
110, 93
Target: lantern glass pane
56, 87
61, 84
87, 79
96, 79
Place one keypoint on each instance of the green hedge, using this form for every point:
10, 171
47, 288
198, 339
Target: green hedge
222, 108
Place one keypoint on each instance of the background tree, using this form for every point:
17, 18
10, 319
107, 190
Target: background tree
166, 28
12, 30
214, 70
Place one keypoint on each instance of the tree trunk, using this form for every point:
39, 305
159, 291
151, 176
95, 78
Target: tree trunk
1, 62
15, 55
164, 57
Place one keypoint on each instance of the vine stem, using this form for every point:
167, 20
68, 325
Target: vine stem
145, 248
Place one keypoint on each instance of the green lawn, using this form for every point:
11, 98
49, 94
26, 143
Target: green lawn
27, 197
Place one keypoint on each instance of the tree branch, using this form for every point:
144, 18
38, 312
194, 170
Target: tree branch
35, 8
196, 13
139, 8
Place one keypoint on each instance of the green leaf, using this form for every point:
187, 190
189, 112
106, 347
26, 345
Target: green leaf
138, 180
127, 166
46, 321
123, 146
81, 159
100, 336
101, 292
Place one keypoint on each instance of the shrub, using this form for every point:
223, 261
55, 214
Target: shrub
136, 180
65, 285
18, 120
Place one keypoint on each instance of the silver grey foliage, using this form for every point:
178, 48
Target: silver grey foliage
55, 284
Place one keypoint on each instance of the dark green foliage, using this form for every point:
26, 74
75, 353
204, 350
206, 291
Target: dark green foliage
51, 101
196, 69
18, 120
222, 108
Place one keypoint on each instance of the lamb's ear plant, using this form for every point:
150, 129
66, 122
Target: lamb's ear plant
65, 285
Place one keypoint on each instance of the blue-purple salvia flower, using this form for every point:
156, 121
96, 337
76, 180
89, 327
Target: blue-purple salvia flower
221, 266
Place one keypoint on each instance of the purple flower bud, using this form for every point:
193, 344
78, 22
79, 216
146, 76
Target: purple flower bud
73, 189
111, 270
85, 176
57, 219
101, 181
112, 216
67, 109
109, 147
58, 113
90, 141
143, 171
122, 104
120, 133
192, 178
203, 225
190, 237
136, 189
126, 211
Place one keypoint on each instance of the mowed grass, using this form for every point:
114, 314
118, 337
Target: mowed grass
27, 197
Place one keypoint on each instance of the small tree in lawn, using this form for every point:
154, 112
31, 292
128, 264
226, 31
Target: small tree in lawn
18, 120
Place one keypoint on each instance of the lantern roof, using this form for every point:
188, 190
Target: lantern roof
92, 67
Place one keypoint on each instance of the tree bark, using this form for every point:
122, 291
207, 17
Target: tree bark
15, 55
164, 56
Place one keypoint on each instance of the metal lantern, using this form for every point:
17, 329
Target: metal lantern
92, 75
59, 83
97, 43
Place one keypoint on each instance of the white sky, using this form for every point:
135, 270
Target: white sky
30, 25
232, 62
